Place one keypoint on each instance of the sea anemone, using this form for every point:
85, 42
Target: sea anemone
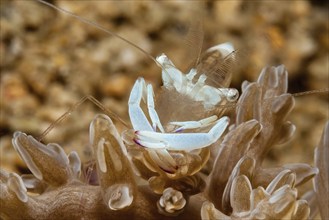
228, 182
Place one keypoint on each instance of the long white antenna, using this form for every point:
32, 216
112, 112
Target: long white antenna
89, 22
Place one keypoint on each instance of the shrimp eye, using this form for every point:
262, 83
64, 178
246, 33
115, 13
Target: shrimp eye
232, 95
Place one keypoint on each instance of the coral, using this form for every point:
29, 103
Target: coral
224, 181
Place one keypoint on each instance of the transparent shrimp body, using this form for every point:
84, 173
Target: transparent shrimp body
197, 89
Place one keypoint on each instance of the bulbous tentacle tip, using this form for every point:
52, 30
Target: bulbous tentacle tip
48, 163
21, 144
16, 185
245, 167
285, 177
33, 184
275, 78
257, 195
304, 172
208, 211
240, 194
282, 201
119, 196
114, 170
75, 164
171, 203
283, 104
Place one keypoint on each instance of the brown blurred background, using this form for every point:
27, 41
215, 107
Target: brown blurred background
50, 60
